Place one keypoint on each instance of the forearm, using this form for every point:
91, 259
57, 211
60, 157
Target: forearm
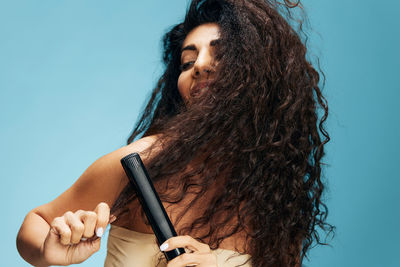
31, 237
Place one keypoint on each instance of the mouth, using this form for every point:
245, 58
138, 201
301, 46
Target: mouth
199, 87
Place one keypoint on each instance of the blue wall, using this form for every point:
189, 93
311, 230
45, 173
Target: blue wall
75, 74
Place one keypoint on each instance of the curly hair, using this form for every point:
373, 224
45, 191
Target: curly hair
256, 133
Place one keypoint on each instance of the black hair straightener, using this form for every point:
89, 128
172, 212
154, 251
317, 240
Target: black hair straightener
150, 201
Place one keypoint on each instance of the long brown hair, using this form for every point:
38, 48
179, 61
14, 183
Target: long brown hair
258, 127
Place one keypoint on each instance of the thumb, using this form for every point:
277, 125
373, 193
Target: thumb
80, 252
95, 245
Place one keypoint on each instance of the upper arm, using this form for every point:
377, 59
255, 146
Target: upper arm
101, 182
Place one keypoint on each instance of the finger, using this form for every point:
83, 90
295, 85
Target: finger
59, 226
103, 215
76, 226
194, 259
112, 219
89, 220
184, 242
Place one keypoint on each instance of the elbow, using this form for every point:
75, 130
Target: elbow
21, 244
30, 239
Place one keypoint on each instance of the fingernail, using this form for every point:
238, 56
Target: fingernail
83, 239
164, 246
99, 232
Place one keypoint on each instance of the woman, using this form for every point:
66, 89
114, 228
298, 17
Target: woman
232, 140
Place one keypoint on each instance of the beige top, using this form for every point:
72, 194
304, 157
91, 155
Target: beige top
134, 249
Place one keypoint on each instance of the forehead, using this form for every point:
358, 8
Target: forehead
202, 34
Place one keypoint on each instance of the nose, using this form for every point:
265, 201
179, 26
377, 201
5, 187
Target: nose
204, 65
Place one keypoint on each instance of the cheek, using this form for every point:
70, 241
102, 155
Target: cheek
184, 83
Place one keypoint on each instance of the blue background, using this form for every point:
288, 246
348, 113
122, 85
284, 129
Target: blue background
75, 74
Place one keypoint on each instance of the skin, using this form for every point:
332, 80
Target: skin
68, 229
201, 254
52, 234
197, 59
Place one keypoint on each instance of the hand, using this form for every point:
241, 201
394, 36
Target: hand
74, 237
201, 255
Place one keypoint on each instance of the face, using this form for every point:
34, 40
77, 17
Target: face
197, 60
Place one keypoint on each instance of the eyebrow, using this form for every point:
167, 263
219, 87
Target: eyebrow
193, 47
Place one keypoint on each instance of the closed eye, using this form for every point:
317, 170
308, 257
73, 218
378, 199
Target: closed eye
186, 65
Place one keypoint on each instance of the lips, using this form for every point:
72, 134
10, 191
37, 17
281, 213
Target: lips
198, 87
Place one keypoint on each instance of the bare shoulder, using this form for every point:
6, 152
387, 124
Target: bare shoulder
142, 146
102, 181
